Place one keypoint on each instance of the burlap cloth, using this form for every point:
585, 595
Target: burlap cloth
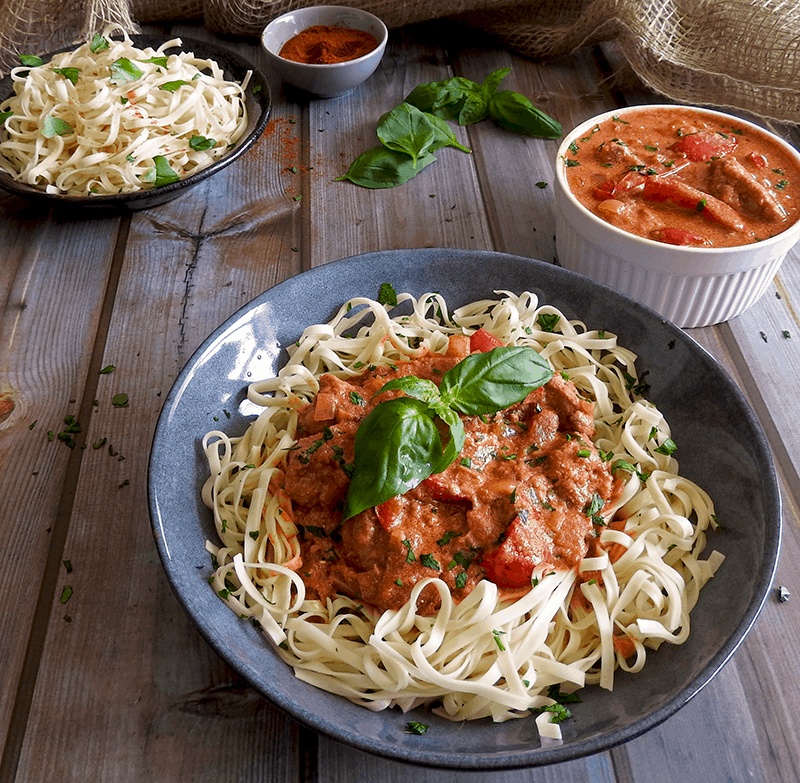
740, 54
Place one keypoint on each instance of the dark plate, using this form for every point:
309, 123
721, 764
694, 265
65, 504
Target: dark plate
721, 447
234, 66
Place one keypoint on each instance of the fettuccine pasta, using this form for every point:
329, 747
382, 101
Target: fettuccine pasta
111, 118
497, 653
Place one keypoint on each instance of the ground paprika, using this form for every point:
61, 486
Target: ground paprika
323, 44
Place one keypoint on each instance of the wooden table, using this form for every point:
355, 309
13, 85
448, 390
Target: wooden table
114, 683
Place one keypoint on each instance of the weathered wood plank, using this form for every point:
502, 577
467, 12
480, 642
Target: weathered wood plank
154, 692
338, 764
53, 278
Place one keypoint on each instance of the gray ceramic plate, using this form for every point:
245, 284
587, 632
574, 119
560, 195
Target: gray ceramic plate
234, 67
721, 446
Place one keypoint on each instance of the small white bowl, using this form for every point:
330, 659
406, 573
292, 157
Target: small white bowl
690, 286
330, 80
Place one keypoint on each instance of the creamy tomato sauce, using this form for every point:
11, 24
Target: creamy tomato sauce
526, 490
685, 177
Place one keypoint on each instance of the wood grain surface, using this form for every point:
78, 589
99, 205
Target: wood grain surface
113, 683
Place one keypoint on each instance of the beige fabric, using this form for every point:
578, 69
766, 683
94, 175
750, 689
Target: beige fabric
741, 54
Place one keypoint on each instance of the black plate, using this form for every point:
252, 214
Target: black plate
720, 446
235, 68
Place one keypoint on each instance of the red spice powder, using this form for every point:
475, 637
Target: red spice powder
322, 44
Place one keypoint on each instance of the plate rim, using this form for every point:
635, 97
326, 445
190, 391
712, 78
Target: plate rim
145, 198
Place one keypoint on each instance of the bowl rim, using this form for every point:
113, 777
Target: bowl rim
147, 197
310, 11
563, 190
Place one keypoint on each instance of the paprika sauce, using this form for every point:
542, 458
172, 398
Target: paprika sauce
685, 177
323, 44
526, 491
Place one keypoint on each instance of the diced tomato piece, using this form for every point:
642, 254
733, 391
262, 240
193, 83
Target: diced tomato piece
605, 190
443, 488
758, 160
627, 185
680, 236
389, 512
624, 646
526, 546
705, 145
483, 341
458, 346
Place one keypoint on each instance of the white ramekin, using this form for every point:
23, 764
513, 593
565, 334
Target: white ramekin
691, 286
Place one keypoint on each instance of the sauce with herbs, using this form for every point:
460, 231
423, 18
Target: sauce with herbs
527, 490
685, 177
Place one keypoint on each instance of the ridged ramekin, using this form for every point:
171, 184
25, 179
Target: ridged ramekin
690, 286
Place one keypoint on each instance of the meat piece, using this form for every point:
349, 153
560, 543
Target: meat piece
315, 473
683, 195
732, 183
616, 152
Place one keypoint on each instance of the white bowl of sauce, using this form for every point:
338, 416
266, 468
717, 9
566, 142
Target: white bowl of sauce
689, 211
325, 50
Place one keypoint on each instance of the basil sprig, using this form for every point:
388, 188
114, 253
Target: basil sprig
468, 102
398, 445
411, 132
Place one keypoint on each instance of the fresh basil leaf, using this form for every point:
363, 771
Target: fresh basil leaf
474, 109
457, 437
31, 60
514, 112
4, 115
55, 126
420, 389
380, 167
444, 135
68, 73
491, 381
454, 95
396, 447
492, 81
444, 99
406, 129
164, 172
98, 44
201, 143
174, 85
123, 70
161, 62
423, 96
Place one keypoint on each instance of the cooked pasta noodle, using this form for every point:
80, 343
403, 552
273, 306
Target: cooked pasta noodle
111, 118
495, 654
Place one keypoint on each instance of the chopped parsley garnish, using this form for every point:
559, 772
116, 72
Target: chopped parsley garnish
387, 295
548, 321
498, 641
